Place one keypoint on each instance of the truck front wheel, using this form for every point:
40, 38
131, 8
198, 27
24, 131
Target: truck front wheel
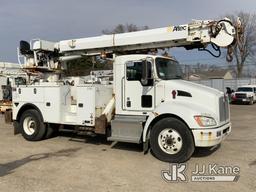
32, 126
171, 141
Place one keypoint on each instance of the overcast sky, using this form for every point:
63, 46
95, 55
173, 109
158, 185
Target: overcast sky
66, 19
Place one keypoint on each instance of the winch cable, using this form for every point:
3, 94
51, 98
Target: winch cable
238, 42
215, 47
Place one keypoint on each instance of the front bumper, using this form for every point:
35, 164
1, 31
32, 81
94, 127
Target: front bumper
241, 99
210, 137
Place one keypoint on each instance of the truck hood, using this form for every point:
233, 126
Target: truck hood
189, 92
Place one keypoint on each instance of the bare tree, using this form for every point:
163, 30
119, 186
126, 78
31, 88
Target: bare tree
120, 28
244, 48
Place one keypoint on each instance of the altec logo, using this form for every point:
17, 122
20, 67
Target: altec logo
201, 173
177, 28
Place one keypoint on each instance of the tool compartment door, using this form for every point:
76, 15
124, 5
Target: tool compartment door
86, 105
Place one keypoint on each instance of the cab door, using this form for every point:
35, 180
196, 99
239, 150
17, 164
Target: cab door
138, 94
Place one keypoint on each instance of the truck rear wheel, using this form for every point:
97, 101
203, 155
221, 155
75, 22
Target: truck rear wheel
32, 126
171, 141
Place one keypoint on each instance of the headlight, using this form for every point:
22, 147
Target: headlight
204, 121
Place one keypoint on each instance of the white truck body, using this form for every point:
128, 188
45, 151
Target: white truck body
82, 104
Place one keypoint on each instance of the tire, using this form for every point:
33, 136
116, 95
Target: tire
171, 141
32, 125
51, 130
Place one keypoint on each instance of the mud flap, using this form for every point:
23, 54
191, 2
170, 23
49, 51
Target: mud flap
101, 125
8, 116
146, 146
16, 127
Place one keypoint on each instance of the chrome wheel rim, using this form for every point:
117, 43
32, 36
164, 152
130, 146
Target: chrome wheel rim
170, 141
29, 125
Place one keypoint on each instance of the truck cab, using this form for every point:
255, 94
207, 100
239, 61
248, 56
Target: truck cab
152, 87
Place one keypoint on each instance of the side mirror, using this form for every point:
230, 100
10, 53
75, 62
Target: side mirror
146, 79
25, 48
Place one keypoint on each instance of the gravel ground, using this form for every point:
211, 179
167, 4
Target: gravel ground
72, 163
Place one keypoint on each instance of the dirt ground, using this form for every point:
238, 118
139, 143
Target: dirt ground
71, 163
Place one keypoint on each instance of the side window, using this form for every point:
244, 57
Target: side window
254, 89
134, 70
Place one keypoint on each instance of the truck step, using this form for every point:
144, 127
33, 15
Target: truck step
127, 128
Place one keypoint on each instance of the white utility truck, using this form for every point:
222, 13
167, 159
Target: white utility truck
146, 102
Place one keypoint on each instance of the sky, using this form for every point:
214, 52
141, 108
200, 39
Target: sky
56, 20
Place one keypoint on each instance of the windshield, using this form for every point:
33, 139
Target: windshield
244, 89
168, 69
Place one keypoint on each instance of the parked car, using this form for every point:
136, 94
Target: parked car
244, 94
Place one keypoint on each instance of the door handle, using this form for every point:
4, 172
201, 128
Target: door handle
128, 103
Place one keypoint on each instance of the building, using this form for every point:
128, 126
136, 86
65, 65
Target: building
9, 67
212, 74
